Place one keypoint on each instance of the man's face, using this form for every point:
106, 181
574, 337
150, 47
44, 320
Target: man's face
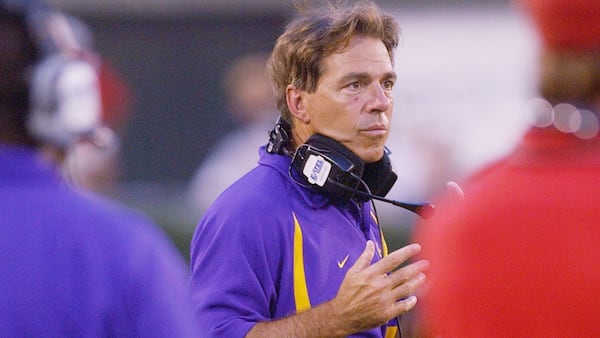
353, 100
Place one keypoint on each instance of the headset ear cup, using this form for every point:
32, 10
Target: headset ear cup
64, 100
42, 97
62, 87
380, 176
328, 167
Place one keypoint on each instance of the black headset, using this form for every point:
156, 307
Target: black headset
64, 95
327, 166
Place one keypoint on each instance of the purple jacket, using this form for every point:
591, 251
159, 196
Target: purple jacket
268, 248
73, 265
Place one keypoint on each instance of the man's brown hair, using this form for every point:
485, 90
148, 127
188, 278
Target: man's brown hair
17, 55
316, 33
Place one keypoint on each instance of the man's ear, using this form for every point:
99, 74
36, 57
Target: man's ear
296, 103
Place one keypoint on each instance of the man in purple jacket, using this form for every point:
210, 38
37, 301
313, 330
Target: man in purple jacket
72, 264
294, 247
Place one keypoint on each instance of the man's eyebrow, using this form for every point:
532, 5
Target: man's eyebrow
363, 75
391, 76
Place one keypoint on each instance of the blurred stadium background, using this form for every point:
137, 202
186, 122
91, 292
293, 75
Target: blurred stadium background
465, 73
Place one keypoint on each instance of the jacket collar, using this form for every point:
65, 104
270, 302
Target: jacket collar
20, 163
281, 164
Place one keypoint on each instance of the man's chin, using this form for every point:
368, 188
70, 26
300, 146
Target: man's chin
371, 155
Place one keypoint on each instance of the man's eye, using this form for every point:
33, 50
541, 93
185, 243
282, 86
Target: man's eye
388, 84
354, 85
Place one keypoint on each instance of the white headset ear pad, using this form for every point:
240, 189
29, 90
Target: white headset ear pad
65, 100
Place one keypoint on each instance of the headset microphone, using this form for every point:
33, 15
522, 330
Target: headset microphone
424, 210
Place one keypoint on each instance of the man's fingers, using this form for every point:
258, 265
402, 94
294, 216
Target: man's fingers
402, 306
455, 191
394, 259
409, 271
409, 287
365, 258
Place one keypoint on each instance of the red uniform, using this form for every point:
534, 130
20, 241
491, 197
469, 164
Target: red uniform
520, 256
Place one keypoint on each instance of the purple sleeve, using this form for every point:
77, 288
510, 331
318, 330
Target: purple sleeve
234, 260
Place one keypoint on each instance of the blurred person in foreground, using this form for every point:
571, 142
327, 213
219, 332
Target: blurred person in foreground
251, 105
73, 264
293, 248
519, 257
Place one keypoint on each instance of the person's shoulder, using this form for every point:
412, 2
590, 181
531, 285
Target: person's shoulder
130, 233
260, 186
108, 208
114, 220
260, 199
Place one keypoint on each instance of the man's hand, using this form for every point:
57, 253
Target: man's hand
371, 295
455, 191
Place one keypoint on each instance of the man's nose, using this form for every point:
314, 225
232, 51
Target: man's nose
380, 99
